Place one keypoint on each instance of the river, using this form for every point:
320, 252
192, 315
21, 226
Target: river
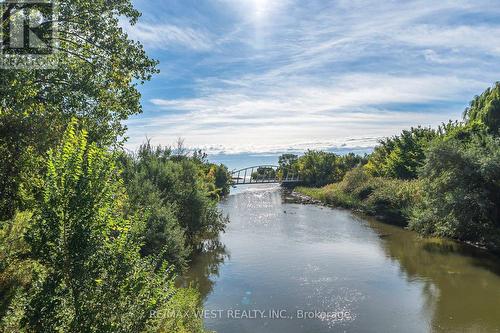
287, 267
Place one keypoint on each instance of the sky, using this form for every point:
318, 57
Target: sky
289, 75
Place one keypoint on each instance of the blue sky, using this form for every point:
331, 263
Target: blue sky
276, 75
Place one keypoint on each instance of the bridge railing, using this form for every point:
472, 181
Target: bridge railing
263, 174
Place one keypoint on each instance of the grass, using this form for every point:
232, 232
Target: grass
388, 199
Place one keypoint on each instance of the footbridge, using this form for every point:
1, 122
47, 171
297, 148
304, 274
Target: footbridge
265, 174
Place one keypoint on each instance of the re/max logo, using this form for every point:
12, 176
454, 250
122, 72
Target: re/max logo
27, 27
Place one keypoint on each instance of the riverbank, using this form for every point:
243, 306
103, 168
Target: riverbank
333, 198
389, 200
392, 208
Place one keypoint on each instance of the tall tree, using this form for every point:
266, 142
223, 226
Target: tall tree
401, 156
96, 78
485, 109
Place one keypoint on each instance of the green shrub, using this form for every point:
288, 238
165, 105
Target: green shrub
222, 179
358, 183
17, 270
335, 196
182, 314
461, 191
176, 197
91, 276
390, 199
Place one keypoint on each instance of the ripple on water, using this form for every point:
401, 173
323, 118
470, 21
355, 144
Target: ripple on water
292, 256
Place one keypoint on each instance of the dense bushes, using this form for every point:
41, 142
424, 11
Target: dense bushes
97, 251
105, 232
177, 197
85, 270
16, 267
461, 191
389, 199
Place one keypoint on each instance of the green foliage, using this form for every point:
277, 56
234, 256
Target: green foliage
350, 161
287, 164
96, 77
359, 184
389, 199
485, 109
393, 199
91, 276
219, 177
182, 315
98, 69
401, 156
318, 168
16, 268
158, 229
264, 173
177, 197
460, 131
21, 161
461, 191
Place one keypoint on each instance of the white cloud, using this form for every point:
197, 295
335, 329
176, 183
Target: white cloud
291, 115
324, 74
477, 38
167, 36
350, 91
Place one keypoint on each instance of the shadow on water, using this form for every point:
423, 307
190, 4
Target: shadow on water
478, 257
461, 282
204, 267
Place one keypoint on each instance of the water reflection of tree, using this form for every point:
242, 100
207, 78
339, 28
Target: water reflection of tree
461, 283
205, 266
